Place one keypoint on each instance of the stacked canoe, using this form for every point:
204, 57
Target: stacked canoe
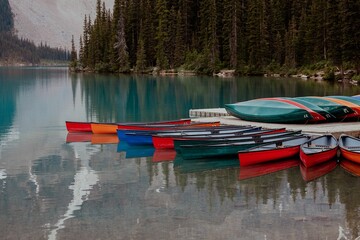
255, 149
308, 109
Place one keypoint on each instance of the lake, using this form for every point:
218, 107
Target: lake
56, 186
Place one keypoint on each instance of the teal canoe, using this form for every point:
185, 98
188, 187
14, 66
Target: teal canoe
327, 115
338, 110
270, 111
224, 150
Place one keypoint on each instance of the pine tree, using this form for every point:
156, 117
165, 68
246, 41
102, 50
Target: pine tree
161, 34
121, 46
350, 13
73, 57
140, 55
180, 47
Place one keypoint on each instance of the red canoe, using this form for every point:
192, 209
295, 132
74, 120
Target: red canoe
318, 150
266, 168
272, 151
350, 148
314, 172
73, 126
78, 126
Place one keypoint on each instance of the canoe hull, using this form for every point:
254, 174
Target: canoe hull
339, 111
163, 141
225, 149
310, 160
270, 111
350, 148
318, 150
103, 128
78, 126
251, 158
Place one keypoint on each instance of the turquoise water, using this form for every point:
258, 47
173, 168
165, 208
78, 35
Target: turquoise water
51, 189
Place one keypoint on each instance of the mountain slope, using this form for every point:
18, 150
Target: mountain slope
53, 22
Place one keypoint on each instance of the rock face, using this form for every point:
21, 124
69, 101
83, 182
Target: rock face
53, 22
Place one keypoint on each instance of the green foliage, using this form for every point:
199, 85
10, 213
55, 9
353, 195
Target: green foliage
356, 77
13, 50
250, 36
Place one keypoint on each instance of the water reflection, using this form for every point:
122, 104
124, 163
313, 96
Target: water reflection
149, 98
55, 185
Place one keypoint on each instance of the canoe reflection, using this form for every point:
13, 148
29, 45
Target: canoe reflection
163, 155
135, 151
104, 139
267, 168
351, 167
314, 172
72, 137
199, 165
78, 137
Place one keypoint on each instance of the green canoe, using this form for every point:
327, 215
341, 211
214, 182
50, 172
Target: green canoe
337, 110
327, 115
270, 111
223, 150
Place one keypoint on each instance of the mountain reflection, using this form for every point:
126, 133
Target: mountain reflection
55, 185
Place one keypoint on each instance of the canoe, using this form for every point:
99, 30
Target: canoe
318, 150
78, 137
347, 98
261, 169
356, 97
356, 108
351, 167
103, 128
167, 141
154, 127
78, 126
272, 151
270, 111
256, 137
108, 128
350, 148
145, 138
324, 113
339, 111
312, 109
122, 133
225, 149
316, 171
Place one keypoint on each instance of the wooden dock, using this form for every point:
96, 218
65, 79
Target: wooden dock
220, 114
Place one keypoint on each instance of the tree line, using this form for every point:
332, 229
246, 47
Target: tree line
14, 49
207, 35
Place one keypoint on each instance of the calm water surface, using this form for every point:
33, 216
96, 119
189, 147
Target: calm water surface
54, 187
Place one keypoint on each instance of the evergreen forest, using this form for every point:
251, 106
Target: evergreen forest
15, 50
251, 37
